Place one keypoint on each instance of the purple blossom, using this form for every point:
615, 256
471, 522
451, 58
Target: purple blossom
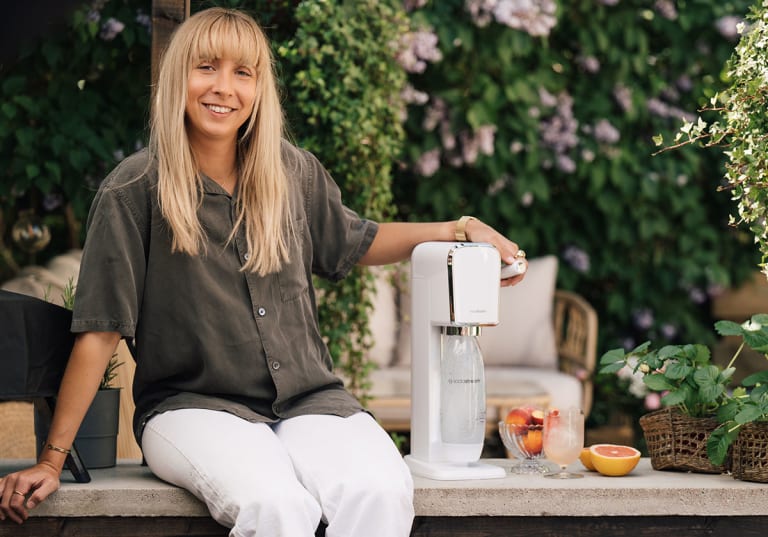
666, 9
436, 112
668, 330
577, 258
589, 63
657, 107
411, 95
623, 96
652, 401
410, 5
728, 26
605, 133
418, 48
535, 17
143, 19
480, 11
111, 29
428, 163
643, 318
697, 295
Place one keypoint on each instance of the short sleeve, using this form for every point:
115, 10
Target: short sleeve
112, 272
340, 237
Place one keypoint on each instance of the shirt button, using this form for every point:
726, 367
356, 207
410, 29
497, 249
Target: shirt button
275, 365
262, 312
247, 256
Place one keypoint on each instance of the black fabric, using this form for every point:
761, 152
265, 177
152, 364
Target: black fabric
35, 343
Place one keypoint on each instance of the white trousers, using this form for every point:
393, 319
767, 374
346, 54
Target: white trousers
279, 480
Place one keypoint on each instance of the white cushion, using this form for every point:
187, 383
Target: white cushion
383, 319
525, 335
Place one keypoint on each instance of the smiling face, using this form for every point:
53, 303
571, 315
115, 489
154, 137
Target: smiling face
221, 94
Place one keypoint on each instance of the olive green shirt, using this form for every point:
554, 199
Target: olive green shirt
208, 335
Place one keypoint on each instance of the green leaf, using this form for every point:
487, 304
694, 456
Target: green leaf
658, 382
728, 328
677, 370
612, 356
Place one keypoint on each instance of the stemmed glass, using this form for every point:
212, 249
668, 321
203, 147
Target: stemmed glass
524, 440
563, 439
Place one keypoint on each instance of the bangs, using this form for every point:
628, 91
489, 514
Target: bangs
229, 37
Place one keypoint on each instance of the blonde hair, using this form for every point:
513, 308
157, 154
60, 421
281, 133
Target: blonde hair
263, 206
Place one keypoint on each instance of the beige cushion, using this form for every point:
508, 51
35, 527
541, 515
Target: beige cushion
525, 334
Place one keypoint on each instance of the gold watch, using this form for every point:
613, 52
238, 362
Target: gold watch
461, 228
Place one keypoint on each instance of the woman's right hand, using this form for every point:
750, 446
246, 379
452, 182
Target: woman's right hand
26, 489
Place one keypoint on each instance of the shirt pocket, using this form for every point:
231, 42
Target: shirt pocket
293, 277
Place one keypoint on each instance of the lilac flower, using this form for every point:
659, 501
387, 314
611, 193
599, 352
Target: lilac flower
428, 163
546, 98
668, 330
577, 258
565, 164
666, 9
643, 318
411, 95
143, 19
516, 147
410, 5
684, 83
469, 147
728, 26
605, 133
587, 155
659, 108
435, 113
589, 63
697, 296
447, 137
535, 17
526, 200
418, 48
111, 29
623, 96
93, 16
485, 136
480, 11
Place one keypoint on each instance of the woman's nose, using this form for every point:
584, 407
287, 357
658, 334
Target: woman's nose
223, 83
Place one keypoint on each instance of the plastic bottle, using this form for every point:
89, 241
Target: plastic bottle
462, 387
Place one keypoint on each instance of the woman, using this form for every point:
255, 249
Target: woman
202, 248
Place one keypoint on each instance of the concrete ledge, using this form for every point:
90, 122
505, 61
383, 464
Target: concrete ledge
129, 495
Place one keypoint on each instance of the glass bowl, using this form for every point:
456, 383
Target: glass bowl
524, 441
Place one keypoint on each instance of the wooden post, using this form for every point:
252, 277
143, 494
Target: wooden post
166, 16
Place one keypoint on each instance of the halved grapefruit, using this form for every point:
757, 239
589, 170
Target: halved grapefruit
586, 459
613, 459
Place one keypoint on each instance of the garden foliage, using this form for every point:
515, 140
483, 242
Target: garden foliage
534, 116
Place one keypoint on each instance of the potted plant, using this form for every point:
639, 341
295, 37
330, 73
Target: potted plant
740, 126
96, 439
692, 389
743, 417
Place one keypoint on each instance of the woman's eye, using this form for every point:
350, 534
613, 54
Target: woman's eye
244, 72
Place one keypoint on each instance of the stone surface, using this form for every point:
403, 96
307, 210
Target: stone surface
131, 490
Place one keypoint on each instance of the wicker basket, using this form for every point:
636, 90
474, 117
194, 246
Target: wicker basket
750, 453
679, 442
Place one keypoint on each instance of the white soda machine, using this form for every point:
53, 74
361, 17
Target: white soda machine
454, 292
